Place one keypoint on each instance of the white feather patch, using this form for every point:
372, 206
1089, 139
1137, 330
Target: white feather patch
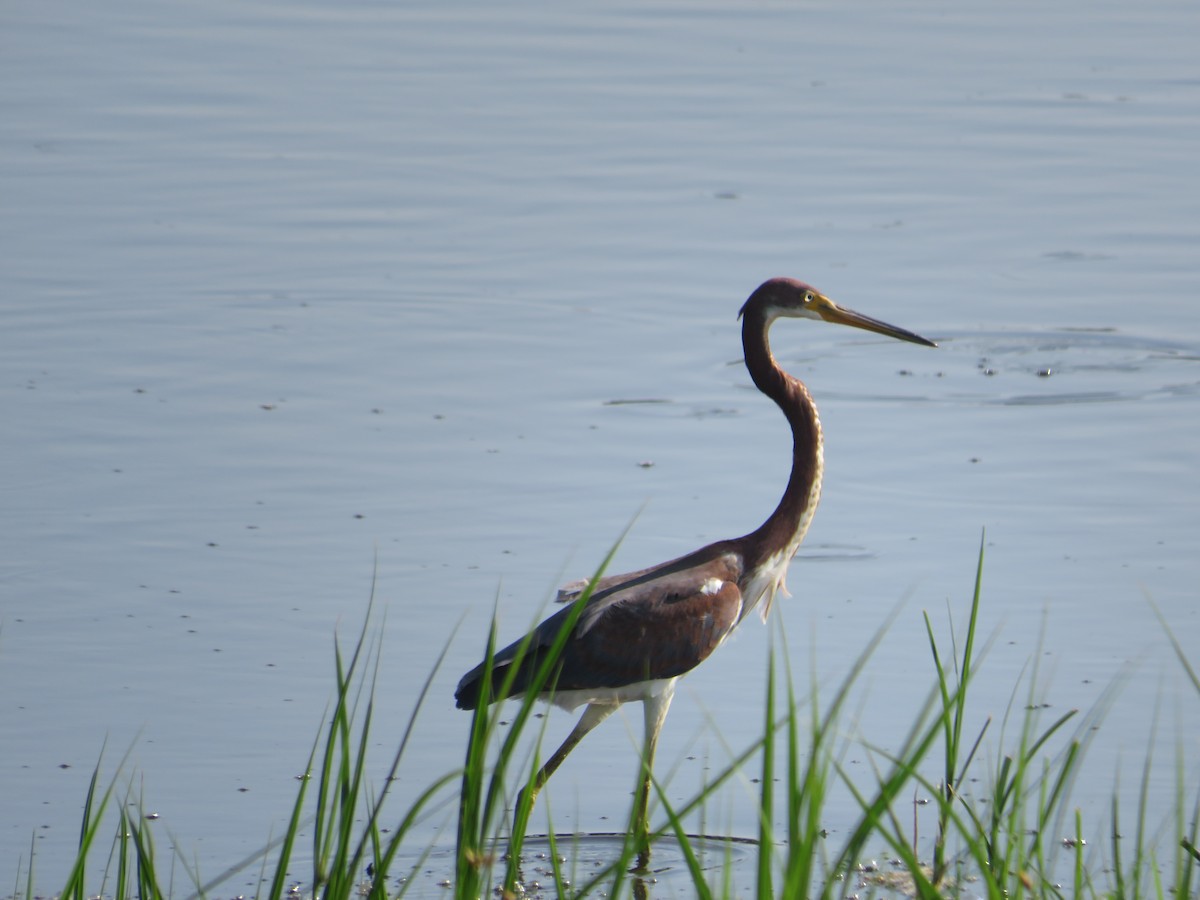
641, 690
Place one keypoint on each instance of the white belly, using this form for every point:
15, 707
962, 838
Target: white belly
643, 690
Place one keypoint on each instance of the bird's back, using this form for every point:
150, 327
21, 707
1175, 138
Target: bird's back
640, 627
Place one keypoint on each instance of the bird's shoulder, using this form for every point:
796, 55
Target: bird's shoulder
707, 578
658, 622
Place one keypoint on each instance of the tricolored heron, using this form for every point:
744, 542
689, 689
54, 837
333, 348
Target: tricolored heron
639, 632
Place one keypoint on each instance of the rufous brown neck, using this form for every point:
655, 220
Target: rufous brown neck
776, 540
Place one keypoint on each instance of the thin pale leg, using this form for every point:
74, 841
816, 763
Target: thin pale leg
655, 711
592, 716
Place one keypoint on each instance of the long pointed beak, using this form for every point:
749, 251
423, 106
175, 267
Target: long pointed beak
839, 315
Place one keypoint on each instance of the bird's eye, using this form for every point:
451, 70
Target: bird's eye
808, 297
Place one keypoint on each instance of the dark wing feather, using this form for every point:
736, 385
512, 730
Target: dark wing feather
656, 623
606, 584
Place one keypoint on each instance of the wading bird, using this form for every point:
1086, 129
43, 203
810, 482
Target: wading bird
638, 633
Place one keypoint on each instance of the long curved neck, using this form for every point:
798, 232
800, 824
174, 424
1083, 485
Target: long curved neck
776, 540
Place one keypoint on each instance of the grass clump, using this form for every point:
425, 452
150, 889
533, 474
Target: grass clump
1002, 821
348, 846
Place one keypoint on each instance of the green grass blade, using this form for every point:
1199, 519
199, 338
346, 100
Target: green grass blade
766, 805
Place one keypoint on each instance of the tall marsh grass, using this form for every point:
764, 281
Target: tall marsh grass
999, 799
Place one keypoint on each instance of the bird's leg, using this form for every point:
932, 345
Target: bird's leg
592, 716
655, 712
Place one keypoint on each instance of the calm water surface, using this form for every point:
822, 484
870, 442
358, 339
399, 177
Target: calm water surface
295, 296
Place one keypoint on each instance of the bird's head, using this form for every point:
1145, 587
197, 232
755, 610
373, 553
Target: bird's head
787, 297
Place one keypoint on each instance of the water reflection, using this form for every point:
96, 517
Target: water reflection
593, 860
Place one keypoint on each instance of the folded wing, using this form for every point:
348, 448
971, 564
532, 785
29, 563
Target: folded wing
652, 624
